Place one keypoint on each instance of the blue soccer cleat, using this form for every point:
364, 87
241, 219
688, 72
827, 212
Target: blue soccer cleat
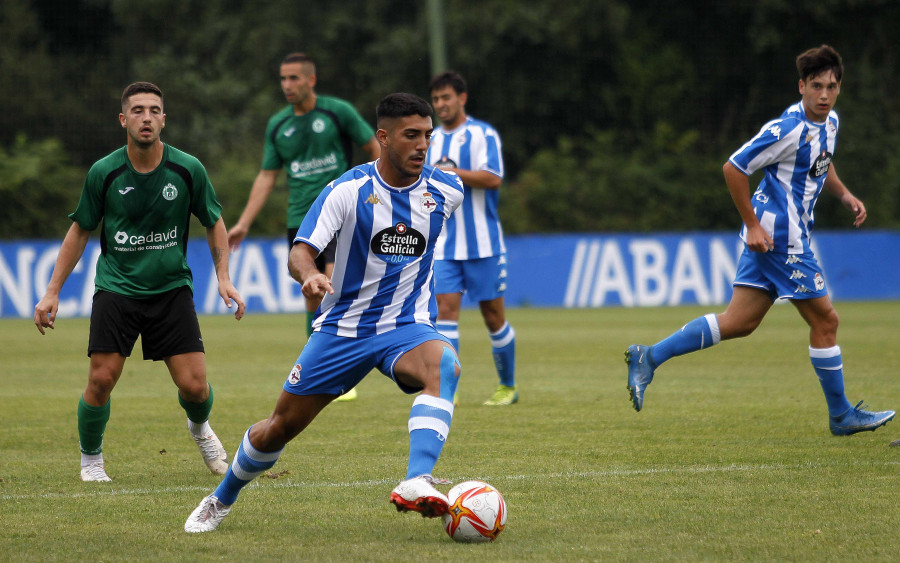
640, 372
858, 420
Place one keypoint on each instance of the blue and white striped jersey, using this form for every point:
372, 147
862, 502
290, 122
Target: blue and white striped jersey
474, 230
795, 154
383, 275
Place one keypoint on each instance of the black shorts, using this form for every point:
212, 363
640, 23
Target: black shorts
324, 257
167, 324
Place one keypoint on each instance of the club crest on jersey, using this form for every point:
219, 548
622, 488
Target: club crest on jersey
819, 282
820, 166
318, 125
169, 192
427, 202
399, 244
294, 377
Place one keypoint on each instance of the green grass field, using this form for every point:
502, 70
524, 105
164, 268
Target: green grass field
730, 460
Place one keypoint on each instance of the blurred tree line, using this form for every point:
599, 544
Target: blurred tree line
615, 115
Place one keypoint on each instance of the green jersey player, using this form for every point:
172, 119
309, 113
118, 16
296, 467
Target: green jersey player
141, 197
312, 139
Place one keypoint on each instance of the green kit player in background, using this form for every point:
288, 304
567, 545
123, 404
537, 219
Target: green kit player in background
312, 138
142, 197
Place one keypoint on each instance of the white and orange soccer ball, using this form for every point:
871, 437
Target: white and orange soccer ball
477, 512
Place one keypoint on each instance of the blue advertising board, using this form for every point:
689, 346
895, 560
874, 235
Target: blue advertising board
564, 270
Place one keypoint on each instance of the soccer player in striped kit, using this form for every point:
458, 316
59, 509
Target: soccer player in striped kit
471, 256
795, 152
377, 309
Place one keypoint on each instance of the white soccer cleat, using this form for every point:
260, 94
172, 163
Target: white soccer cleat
419, 495
94, 472
213, 452
207, 516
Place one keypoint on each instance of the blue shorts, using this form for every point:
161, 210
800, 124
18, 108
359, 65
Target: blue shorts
333, 364
785, 276
484, 279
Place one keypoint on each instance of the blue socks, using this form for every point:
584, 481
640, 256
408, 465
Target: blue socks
249, 463
830, 369
698, 334
504, 345
429, 421
450, 330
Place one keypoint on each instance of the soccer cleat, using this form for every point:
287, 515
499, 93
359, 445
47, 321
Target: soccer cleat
94, 472
419, 495
350, 395
504, 395
640, 373
213, 452
207, 516
858, 420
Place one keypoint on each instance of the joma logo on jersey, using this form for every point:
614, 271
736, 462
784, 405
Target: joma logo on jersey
169, 191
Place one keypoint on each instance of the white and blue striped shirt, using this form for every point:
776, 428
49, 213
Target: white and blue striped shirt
795, 154
474, 230
383, 275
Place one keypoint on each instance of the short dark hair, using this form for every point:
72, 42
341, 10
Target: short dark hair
140, 88
448, 78
817, 60
303, 58
401, 104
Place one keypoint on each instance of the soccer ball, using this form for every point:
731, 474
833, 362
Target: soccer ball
477, 512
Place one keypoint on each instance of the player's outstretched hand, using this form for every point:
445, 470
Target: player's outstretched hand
856, 207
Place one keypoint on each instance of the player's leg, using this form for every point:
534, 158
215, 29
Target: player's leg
449, 286
115, 326
433, 367
503, 344
195, 395
745, 311
259, 450
93, 412
825, 355
329, 365
485, 282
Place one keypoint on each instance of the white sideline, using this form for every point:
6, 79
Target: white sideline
108, 491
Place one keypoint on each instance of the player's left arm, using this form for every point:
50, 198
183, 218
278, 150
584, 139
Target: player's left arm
479, 178
217, 238
836, 187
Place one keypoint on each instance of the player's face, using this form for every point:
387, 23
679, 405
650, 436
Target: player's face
296, 82
449, 106
404, 143
819, 94
143, 119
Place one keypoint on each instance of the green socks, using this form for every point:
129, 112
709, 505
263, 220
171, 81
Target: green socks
198, 412
91, 426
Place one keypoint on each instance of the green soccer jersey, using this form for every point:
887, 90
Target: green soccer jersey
145, 220
315, 148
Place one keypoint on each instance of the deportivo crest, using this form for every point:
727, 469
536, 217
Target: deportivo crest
294, 377
427, 202
399, 244
169, 192
819, 282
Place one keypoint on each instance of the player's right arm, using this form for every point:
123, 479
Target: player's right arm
70, 252
757, 239
259, 193
302, 266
